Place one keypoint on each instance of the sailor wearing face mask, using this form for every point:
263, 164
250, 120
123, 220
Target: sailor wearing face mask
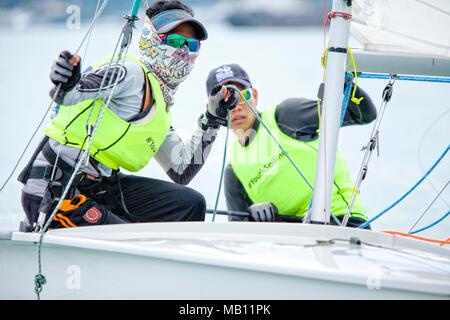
136, 127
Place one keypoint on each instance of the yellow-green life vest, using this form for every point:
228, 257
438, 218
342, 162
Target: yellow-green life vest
267, 175
117, 143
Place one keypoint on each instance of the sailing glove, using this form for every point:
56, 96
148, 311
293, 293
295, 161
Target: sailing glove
81, 211
64, 72
264, 212
220, 101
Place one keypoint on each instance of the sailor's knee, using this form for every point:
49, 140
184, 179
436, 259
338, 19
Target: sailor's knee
195, 204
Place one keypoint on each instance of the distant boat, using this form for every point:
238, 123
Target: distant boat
280, 13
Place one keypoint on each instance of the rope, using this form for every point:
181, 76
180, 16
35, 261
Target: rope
409, 191
222, 173
368, 75
90, 34
281, 148
58, 89
441, 242
422, 140
430, 205
272, 136
369, 147
432, 224
91, 26
345, 101
347, 92
344, 15
354, 99
40, 278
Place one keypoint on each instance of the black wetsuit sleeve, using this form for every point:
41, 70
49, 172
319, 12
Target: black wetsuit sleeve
363, 113
298, 117
236, 197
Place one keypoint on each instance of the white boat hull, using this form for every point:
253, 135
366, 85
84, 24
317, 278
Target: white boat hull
222, 261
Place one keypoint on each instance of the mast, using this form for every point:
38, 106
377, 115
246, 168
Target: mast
331, 111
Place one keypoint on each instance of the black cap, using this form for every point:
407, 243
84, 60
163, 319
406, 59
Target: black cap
227, 73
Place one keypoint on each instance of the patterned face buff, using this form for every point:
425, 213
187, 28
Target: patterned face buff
168, 64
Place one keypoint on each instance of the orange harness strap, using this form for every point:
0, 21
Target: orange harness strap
147, 94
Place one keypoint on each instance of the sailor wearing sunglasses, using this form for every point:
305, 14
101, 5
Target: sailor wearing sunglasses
260, 179
136, 127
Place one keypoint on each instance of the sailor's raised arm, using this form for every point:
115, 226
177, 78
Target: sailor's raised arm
183, 160
90, 85
65, 74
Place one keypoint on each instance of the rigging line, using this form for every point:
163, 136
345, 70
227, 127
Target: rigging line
345, 101
441, 242
369, 148
90, 33
419, 160
40, 278
223, 167
387, 76
272, 136
441, 245
85, 153
78, 165
104, 105
102, 84
81, 67
394, 250
409, 191
58, 89
125, 39
428, 208
278, 144
432, 224
325, 21
91, 26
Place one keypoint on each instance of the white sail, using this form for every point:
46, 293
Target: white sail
409, 26
416, 30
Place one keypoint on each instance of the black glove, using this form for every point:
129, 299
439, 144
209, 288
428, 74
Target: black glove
217, 111
64, 73
81, 211
263, 212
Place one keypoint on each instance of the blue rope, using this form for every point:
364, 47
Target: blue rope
347, 93
403, 77
432, 224
408, 192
